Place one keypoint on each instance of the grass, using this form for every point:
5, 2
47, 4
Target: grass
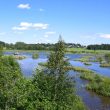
94, 58
105, 65
25, 50
97, 83
42, 64
78, 69
85, 59
17, 57
84, 51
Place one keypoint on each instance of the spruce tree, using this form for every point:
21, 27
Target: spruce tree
56, 87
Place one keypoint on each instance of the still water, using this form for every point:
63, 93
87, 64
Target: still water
91, 100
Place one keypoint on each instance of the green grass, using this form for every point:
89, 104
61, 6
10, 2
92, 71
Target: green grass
42, 64
97, 83
30, 51
85, 59
84, 50
17, 57
105, 65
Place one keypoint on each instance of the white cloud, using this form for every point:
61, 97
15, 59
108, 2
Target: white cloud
24, 6
105, 36
97, 35
28, 26
41, 9
25, 24
48, 34
40, 26
20, 28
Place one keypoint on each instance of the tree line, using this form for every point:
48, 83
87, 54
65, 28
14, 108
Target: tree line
99, 47
37, 46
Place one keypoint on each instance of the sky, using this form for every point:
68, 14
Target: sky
42, 21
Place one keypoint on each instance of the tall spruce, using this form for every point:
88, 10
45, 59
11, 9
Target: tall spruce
63, 92
54, 88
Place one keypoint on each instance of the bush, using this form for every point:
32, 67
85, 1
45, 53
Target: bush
35, 55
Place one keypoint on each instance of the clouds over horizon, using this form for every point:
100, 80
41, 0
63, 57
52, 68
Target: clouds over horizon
98, 35
107, 36
28, 26
24, 6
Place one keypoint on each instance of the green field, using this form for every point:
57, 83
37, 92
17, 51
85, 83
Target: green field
84, 50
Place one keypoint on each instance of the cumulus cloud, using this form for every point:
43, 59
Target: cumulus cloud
24, 6
48, 34
97, 35
20, 28
105, 36
39, 26
27, 26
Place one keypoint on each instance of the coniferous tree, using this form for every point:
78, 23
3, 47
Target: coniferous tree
56, 87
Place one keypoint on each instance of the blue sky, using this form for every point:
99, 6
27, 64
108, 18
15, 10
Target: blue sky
42, 21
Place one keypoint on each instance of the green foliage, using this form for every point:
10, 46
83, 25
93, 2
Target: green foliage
1, 51
102, 88
35, 55
14, 89
105, 65
10, 75
107, 57
98, 84
86, 59
100, 59
99, 47
55, 89
87, 63
43, 64
49, 89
